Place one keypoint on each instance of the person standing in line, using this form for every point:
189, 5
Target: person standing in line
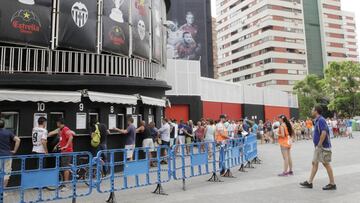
164, 132
210, 136
261, 131
200, 134
6, 137
144, 132
130, 133
309, 126
65, 145
322, 151
334, 125
349, 124
181, 135
39, 137
95, 126
174, 131
285, 131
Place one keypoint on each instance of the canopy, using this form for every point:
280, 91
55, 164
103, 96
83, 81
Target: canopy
153, 101
112, 98
39, 96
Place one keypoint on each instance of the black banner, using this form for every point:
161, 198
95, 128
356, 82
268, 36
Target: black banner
157, 17
140, 14
77, 24
190, 33
116, 37
26, 22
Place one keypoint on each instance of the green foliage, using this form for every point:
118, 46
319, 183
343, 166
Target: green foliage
339, 90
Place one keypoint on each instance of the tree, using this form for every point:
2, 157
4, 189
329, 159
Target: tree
310, 93
342, 85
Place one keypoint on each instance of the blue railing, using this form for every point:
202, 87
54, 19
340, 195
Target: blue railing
112, 170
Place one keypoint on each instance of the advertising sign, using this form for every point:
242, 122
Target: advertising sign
26, 22
116, 37
78, 25
157, 34
189, 33
140, 13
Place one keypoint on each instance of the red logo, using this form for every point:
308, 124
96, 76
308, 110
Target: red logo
26, 21
117, 36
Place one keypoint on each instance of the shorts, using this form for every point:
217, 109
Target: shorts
349, 130
181, 139
188, 140
164, 143
6, 163
318, 156
148, 143
130, 151
65, 161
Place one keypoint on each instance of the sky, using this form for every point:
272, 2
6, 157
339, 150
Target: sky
347, 5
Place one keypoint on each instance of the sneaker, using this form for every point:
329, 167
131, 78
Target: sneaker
283, 174
330, 187
306, 184
290, 173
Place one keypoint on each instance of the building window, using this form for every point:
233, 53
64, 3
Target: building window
11, 121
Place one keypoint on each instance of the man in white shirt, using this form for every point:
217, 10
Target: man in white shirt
174, 126
164, 132
39, 137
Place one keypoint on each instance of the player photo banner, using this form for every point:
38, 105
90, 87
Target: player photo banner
26, 22
140, 15
78, 24
116, 37
157, 17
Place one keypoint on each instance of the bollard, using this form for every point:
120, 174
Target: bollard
159, 190
215, 178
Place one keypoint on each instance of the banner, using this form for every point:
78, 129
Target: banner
190, 33
157, 35
26, 22
116, 37
78, 24
140, 14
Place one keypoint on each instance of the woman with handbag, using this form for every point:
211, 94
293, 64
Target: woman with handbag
285, 132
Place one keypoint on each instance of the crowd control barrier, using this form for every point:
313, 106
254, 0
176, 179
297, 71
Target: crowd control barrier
126, 174
250, 150
232, 155
192, 160
41, 177
120, 169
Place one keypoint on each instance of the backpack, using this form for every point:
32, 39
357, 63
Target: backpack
95, 140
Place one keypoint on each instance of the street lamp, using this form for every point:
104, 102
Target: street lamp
28, 2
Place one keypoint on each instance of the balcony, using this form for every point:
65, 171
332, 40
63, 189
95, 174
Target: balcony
14, 60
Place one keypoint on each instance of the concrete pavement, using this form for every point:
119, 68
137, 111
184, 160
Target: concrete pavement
262, 183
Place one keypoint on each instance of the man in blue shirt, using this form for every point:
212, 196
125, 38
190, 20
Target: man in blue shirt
322, 145
6, 137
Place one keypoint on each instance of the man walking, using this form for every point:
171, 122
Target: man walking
322, 152
6, 137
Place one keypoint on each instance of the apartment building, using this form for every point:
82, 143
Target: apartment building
278, 42
215, 47
262, 42
351, 45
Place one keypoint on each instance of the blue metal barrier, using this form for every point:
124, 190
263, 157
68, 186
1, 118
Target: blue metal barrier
250, 147
192, 160
41, 177
126, 174
146, 168
233, 155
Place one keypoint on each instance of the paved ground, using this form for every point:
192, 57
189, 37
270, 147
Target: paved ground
262, 184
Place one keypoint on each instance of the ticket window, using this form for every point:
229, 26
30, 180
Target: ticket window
53, 117
93, 117
11, 121
121, 121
